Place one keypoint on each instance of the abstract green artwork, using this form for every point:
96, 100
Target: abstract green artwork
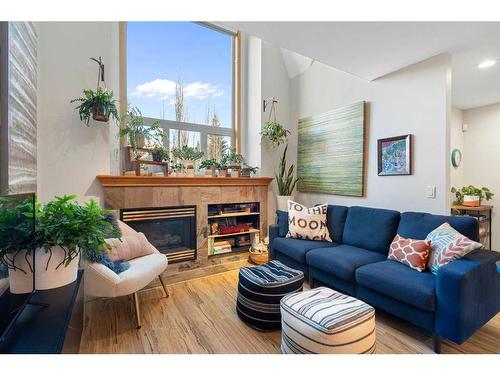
331, 151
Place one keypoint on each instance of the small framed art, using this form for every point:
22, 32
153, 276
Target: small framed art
394, 156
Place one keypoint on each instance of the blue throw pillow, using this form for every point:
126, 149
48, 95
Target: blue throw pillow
282, 221
117, 267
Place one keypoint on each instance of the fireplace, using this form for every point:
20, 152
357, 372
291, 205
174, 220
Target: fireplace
172, 230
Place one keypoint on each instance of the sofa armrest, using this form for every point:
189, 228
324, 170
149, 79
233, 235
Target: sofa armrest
467, 295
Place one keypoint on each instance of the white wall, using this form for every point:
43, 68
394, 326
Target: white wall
482, 155
457, 141
414, 100
70, 154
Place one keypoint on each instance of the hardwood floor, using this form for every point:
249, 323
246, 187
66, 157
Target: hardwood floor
200, 317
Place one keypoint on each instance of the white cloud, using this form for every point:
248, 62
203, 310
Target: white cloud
165, 89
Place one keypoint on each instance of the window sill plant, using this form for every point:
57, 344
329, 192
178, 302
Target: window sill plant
160, 154
187, 155
138, 134
97, 104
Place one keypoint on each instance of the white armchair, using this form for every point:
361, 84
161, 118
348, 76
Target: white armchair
100, 281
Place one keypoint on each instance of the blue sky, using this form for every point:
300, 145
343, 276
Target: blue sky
159, 53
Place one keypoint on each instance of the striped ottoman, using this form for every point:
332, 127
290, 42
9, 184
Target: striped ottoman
260, 290
322, 320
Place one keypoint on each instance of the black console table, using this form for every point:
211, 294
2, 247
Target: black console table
54, 329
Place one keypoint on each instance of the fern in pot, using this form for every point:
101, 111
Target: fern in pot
140, 135
97, 104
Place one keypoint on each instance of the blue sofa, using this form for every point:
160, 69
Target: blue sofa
461, 298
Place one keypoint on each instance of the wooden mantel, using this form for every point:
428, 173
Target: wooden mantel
130, 181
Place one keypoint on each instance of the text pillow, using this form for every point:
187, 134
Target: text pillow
448, 245
129, 247
307, 223
412, 253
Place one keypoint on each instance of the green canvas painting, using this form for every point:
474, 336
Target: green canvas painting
331, 151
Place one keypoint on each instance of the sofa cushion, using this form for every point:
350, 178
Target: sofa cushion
410, 252
307, 223
370, 228
400, 282
418, 225
335, 221
342, 261
297, 249
282, 221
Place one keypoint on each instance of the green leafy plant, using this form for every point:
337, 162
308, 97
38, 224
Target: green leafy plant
232, 158
75, 228
210, 164
483, 193
187, 153
285, 178
160, 153
98, 104
134, 128
17, 231
275, 133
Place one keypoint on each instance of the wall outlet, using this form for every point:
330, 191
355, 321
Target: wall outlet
430, 192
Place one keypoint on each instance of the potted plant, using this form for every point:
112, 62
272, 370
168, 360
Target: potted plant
190, 170
275, 133
211, 165
139, 135
63, 230
17, 242
232, 161
471, 196
176, 169
99, 104
286, 182
160, 154
187, 155
247, 171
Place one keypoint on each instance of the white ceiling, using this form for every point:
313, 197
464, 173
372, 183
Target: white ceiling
371, 50
473, 87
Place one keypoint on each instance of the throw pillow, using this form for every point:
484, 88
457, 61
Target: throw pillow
447, 245
282, 221
307, 223
412, 253
129, 247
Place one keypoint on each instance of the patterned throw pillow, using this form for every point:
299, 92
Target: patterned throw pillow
412, 253
448, 245
307, 223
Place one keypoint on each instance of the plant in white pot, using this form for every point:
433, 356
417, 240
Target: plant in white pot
63, 230
471, 196
187, 155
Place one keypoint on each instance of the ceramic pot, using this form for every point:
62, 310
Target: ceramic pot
190, 172
222, 173
282, 202
101, 112
472, 201
48, 275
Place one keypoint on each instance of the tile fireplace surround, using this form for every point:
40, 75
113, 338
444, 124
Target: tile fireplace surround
143, 191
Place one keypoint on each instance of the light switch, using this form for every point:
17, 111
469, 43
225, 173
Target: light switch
430, 192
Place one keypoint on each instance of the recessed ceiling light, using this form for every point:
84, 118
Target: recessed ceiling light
487, 64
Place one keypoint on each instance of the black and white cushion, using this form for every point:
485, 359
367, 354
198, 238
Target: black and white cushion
260, 290
322, 320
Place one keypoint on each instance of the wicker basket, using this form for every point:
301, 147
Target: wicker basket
258, 257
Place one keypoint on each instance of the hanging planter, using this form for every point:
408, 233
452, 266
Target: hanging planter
98, 104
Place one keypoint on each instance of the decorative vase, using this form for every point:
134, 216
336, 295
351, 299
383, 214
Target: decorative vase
282, 202
222, 173
50, 272
472, 201
138, 140
190, 172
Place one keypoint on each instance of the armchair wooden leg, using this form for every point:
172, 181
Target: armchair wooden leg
137, 310
163, 286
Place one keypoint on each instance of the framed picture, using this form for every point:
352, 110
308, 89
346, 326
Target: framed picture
394, 156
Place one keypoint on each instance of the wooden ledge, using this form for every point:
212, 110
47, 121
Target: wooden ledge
141, 181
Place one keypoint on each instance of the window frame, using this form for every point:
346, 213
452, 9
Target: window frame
205, 130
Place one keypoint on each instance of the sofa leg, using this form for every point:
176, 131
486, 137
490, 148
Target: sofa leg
163, 286
137, 310
436, 343
311, 282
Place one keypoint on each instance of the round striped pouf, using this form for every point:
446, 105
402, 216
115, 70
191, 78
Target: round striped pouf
324, 321
260, 290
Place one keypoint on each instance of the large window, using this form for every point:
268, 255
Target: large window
183, 75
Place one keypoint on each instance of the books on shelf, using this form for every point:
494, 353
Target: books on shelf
221, 247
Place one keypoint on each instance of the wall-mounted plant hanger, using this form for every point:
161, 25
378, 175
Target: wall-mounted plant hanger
100, 103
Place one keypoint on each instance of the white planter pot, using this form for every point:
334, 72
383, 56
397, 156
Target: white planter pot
282, 202
21, 282
52, 277
472, 201
46, 277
